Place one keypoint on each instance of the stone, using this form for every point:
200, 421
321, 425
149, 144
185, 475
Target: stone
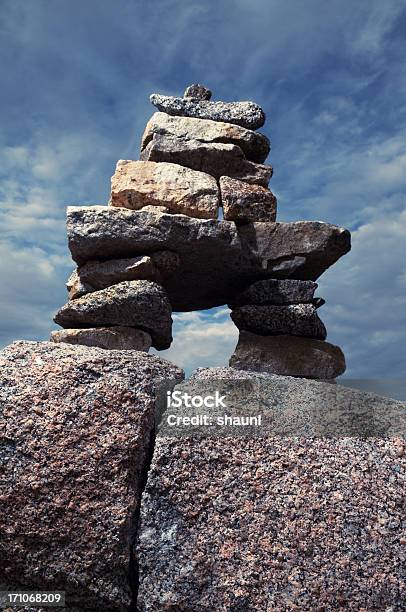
215, 159
75, 444
167, 262
295, 521
246, 114
254, 145
318, 302
141, 304
95, 275
244, 203
113, 338
217, 259
76, 288
144, 183
295, 319
288, 356
198, 92
277, 291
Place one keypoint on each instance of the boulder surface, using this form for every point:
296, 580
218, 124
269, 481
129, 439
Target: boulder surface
145, 183
140, 304
268, 522
217, 258
76, 426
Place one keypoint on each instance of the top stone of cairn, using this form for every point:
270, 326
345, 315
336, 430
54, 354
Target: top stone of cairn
196, 103
198, 92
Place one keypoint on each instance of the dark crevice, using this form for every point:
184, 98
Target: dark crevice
133, 564
133, 567
220, 209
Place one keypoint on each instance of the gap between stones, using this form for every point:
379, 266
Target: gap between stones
133, 565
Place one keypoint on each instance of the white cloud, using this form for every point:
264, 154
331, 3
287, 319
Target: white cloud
206, 338
365, 309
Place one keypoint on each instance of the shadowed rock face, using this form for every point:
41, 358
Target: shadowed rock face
96, 275
217, 258
264, 522
246, 114
255, 146
274, 291
141, 304
74, 444
288, 356
295, 319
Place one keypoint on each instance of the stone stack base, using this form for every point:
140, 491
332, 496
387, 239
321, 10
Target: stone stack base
281, 332
288, 356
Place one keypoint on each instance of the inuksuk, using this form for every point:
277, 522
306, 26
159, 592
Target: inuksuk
192, 225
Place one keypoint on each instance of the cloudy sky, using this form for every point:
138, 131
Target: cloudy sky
331, 76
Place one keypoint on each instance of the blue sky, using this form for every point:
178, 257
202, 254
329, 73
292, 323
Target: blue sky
331, 76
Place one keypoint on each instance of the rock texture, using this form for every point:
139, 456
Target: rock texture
140, 304
215, 159
199, 92
246, 114
113, 338
255, 146
288, 355
276, 523
75, 438
96, 275
295, 319
245, 203
218, 259
277, 291
144, 183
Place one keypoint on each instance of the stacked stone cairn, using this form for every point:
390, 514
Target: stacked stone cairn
192, 225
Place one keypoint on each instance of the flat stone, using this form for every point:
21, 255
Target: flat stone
245, 114
242, 202
113, 338
295, 319
295, 521
254, 145
76, 428
215, 159
217, 259
288, 356
144, 183
95, 275
199, 92
139, 303
277, 291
